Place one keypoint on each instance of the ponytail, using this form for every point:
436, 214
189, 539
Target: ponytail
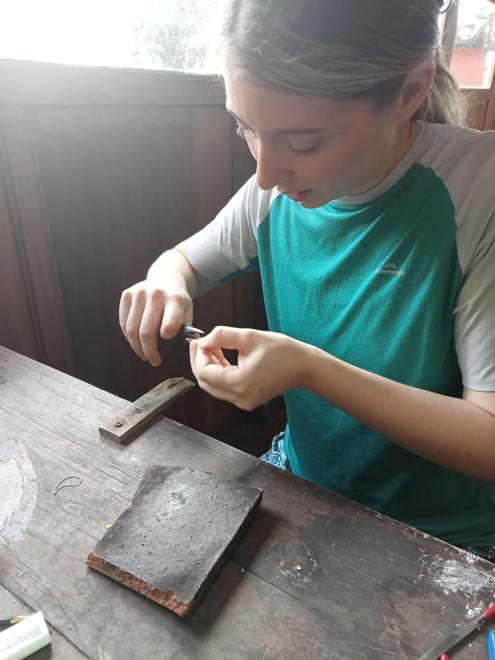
445, 103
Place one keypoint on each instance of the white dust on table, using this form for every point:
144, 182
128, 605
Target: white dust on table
455, 576
302, 566
17, 489
472, 612
11, 490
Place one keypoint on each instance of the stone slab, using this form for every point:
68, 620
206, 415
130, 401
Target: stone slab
172, 541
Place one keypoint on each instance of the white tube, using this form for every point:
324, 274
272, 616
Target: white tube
24, 638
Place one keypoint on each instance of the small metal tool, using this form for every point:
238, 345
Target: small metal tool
460, 634
187, 333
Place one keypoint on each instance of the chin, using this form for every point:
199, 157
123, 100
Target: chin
314, 203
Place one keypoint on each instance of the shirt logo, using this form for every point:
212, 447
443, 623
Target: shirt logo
390, 269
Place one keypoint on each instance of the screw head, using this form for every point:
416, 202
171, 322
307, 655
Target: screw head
119, 423
138, 410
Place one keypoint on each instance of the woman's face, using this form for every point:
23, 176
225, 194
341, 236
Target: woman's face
314, 149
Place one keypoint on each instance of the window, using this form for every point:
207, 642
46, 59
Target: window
469, 39
151, 34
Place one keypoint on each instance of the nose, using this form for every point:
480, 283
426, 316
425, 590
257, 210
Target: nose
270, 170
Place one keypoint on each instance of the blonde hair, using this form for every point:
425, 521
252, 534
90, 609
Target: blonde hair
344, 49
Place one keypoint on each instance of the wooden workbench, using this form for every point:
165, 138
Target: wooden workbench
316, 576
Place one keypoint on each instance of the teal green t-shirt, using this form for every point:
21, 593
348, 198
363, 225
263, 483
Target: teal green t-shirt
396, 282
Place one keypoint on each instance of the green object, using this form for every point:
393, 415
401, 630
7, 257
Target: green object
375, 285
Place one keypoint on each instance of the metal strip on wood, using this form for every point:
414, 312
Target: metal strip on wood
130, 421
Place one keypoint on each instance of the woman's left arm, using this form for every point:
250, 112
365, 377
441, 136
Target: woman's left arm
456, 433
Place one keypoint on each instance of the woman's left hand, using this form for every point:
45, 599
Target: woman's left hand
268, 364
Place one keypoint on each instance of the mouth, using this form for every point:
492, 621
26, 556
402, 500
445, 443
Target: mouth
299, 196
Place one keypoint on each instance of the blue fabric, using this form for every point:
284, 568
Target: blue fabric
276, 455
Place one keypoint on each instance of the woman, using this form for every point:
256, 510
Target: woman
372, 220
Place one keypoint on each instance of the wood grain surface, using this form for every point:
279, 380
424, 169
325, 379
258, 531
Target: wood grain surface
316, 576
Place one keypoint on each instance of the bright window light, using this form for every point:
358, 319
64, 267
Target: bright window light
153, 34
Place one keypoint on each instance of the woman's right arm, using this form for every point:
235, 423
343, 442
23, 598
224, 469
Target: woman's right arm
160, 304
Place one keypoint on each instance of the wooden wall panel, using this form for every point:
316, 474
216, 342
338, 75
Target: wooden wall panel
35, 241
477, 107
28, 84
18, 328
120, 187
109, 169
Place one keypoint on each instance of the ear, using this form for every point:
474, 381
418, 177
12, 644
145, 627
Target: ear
415, 90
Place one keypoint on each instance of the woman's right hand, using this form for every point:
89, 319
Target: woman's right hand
149, 311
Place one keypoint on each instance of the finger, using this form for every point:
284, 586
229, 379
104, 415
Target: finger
207, 381
218, 355
216, 358
208, 357
223, 395
188, 317
148, 332
221, 358
174, 315
211, 376
134, 322
124, 307
225, 337
222, 376
197, 366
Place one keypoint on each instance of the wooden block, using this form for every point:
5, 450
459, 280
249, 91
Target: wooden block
130, 421
172, 541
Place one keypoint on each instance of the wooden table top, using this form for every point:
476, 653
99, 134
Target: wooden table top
315, 576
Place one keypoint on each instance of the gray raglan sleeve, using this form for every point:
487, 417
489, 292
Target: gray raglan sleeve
228, 243
474, 316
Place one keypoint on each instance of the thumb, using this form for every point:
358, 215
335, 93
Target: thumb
225, 337
174, 316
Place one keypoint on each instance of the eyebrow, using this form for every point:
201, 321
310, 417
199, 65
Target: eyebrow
284, 131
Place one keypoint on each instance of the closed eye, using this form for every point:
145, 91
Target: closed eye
306, 150
242, 132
